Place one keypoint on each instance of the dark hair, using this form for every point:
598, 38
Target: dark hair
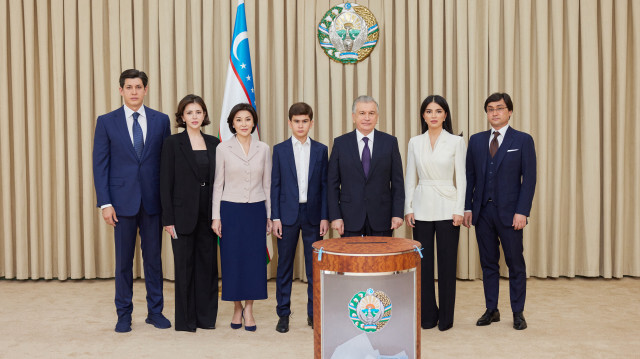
189, 99
300, 108
447, 126
497, 96
242, 107
133, 74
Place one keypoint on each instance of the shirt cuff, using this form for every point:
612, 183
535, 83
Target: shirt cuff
106, 205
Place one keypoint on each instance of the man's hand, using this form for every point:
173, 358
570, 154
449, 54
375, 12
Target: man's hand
277, 229
171, 230
396, 222
338, 225
324, 227
519, 221
467, 219
216, 225
457, 220
109, 216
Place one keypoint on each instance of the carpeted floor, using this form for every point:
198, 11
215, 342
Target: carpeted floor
568, 318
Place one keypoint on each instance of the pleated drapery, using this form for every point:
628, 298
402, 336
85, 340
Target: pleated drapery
572, 68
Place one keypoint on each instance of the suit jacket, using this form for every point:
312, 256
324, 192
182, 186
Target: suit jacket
119, 177
515, 174
434, 197
352, 196
180, 183
285, 194
242, 178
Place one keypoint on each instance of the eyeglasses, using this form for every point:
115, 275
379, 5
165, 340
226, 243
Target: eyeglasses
497, 109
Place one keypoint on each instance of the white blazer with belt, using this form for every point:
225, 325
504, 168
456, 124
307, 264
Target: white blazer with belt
430, 192
240, 177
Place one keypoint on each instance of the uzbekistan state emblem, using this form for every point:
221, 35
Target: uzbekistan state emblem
348, 33
370, 311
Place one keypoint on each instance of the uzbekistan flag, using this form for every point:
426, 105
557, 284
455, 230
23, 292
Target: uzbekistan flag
239, 87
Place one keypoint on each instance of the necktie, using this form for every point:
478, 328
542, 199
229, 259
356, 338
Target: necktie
138, 140
366, 157
493, 146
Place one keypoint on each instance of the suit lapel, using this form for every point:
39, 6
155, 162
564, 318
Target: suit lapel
211, 152
506, 144
121, 124
378, 145
236, 148
290, 157
313, 155
484, 150
355, 152
151, 128
187, 151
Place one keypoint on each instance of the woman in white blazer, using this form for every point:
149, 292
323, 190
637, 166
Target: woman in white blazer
434, 205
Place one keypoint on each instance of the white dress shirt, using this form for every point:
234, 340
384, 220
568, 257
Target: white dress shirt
430, 193
142, 120
359, 136
502, 131
302, 153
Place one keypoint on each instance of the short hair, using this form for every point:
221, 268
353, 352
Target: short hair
497, 96
242, 107
363, 99
442, 102
133, 74
300, 108
189, 99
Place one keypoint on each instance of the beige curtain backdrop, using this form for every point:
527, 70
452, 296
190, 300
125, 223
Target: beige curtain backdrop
572, 68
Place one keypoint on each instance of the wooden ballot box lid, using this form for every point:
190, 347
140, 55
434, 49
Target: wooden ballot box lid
367, 246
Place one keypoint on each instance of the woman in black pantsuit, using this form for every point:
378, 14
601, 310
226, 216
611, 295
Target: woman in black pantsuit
434, 205
186, 184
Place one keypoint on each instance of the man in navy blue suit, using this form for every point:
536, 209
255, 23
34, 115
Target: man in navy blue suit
126, 171
501, 180
298, 204
365, 181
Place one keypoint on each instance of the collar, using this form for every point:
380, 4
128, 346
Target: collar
502, 131
295, 141
359, 136
129, 112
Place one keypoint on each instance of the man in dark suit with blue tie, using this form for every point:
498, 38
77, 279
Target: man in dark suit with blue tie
501, 181
298, 204
126, 171
365, 181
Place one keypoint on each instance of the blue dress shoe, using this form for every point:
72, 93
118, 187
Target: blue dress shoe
158, 320
123, 325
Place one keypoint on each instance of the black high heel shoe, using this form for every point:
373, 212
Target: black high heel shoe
249, 328
238, 326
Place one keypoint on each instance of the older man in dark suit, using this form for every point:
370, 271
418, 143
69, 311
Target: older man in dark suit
365, 182
501, 180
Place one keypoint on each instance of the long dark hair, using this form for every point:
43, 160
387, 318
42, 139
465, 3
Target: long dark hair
445, 106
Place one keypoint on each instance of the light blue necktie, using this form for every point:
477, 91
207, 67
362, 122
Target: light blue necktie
138, 139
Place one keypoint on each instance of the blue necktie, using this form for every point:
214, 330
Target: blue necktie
366, 157
138, 139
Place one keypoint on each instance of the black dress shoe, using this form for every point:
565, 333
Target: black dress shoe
310, 322
445, 327
490, 316
283, 325
518, 321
